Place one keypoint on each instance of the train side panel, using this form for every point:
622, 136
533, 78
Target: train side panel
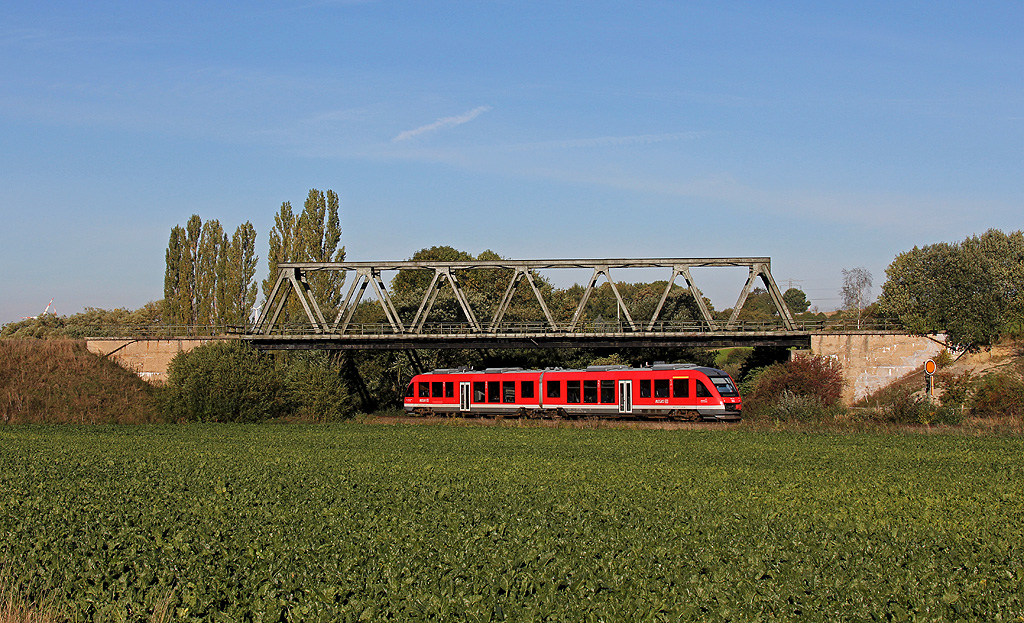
679, 392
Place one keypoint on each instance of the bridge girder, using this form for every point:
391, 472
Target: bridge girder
293, 281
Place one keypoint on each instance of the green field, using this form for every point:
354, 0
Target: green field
440, 523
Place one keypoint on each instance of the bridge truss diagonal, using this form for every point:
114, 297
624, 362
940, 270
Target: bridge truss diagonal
293, 283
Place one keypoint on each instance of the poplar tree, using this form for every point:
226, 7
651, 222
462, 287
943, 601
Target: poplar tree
173, 310
209, 278
211, 248
240, 283
312, 236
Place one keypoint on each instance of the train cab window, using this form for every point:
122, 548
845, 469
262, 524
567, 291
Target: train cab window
608, 391
437, 389
493, 391
424, 389
449, 389
590, 391
411, 390
572, 391
526, 389
479, 391
508, 391
680, 388
645, 388
554, 389
724, 386
702, 390
661, 388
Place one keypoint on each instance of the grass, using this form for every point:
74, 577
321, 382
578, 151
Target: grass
60, 381
363, 522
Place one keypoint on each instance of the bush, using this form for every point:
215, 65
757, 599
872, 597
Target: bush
779, 385
790, 407
316, 389
997, 395
223, 382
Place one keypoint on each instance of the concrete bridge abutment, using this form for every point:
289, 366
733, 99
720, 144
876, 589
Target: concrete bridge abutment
872, 361
148, 358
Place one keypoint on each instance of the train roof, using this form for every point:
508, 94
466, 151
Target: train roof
609, 368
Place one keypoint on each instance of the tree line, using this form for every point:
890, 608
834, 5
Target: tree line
210, 279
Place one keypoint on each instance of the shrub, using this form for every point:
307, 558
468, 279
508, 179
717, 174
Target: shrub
790, 407
223, 382
817, 377
316, 388
998, 394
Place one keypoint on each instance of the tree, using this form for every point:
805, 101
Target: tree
796, 300
208, 279
174, 312
224, 382
282, 235
313, 236
208, 273
241, 285
970, 291
856, 290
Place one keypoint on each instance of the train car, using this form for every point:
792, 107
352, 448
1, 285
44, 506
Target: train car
662, 391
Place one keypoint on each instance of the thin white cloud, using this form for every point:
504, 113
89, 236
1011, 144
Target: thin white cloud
445, 122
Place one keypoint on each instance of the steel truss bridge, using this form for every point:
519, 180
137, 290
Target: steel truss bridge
315, 331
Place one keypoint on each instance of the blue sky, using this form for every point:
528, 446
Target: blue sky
824, 135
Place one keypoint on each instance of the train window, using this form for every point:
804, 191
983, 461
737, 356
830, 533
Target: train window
554, 389
424, 389
608, 391
479, 391
680, 388
493, 391
661, 388
449, 389
437, 389
724, 386
411, 390
645, 388
508, 391
572, 391
590, 391
526, 389
702, 389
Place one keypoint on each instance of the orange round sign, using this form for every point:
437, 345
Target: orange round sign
929, 367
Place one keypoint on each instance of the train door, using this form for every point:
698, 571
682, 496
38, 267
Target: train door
625, 396
464, 396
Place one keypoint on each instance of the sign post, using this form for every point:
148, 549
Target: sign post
929, 371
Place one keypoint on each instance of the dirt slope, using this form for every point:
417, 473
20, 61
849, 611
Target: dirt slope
59, 381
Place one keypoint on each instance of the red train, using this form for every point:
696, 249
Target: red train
670, 391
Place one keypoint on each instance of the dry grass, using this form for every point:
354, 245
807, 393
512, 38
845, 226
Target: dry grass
60, 381
14, 609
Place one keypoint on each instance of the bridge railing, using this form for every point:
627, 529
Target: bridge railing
604, 327
599, 327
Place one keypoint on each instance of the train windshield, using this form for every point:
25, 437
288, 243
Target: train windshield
410, 392
724, 386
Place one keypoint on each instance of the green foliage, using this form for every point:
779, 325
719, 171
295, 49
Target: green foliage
796, 300
793, 407
998, 394
208, 279
316, 388
381, 523
312, 236
819, 378
225, 381
971, 290
92, 322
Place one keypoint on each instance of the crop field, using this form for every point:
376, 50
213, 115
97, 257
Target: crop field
441, 523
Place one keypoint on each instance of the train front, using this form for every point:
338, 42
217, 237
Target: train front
731, 399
